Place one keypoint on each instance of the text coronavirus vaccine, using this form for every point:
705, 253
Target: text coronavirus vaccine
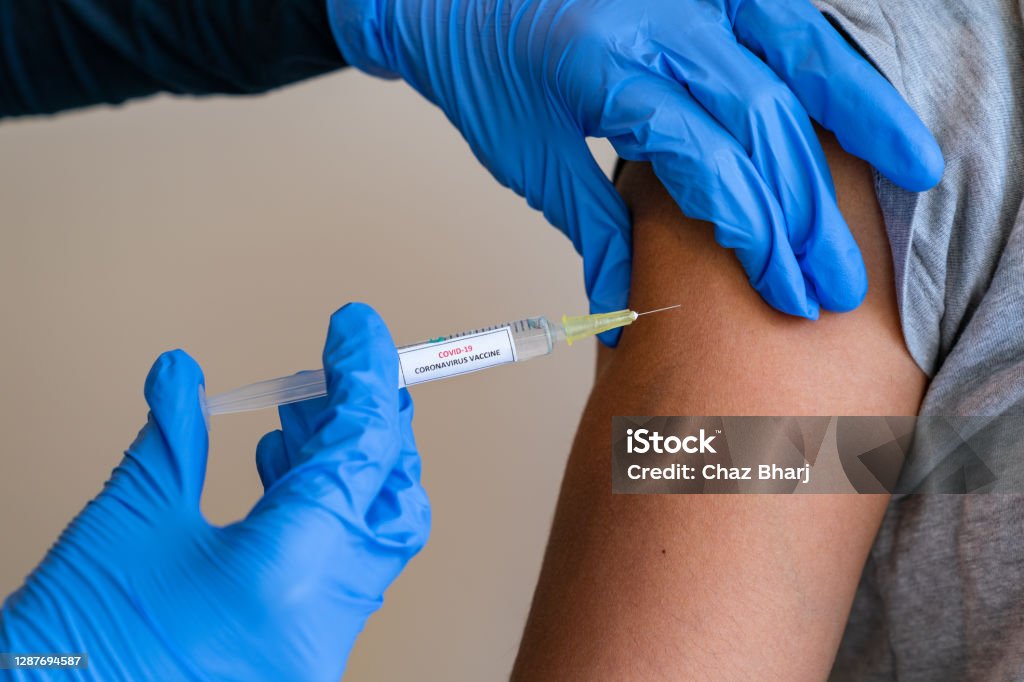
460, 355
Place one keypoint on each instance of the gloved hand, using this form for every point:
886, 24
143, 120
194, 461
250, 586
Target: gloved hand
150, 591
714, 93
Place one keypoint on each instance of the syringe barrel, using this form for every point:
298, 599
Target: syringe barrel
534, 337
431, 360
476, 349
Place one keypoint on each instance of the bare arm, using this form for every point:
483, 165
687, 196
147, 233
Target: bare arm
717, 587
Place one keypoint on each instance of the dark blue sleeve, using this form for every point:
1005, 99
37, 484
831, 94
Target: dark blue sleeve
62, 54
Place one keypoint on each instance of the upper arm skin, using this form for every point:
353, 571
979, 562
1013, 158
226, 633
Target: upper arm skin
717, 586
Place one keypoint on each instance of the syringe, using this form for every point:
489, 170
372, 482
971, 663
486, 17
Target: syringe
439, 358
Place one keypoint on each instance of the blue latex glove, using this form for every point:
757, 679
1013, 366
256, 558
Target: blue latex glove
714, 93
150, 591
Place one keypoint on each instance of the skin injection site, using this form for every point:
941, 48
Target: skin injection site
525, 340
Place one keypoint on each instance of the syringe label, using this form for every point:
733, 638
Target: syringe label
430, 361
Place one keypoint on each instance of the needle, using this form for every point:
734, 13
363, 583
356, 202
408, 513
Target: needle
679, 305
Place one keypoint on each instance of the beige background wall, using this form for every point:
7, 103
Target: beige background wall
233, 228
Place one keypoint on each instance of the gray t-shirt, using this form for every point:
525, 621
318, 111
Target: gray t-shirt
942, 595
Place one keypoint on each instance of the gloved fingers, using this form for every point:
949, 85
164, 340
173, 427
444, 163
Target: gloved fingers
355, 441
312, 511
397, 523
400, 515
299, 421
769, 122
577, 197
278, 450
167, 461
271, 458
841, 90
711, 178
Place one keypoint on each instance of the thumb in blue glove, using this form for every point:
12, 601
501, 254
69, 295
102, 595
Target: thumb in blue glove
148, 590
716, 94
